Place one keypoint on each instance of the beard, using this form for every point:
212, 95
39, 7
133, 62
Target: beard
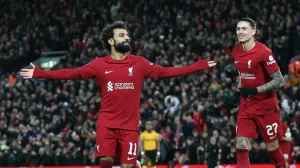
122, 47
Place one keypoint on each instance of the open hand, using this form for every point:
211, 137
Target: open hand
212, 63
27, 73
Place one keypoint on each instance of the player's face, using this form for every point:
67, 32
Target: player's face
244, 31
149, 127
121, 40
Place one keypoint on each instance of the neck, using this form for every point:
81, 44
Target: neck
117, 55
248, 45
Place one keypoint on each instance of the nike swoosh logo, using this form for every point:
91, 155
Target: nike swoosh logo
250, 95
107, 72
130, 158
273, 137
236, 62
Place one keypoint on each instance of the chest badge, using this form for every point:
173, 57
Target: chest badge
249, 64
130, 71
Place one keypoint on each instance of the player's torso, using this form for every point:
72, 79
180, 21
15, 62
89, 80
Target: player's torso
251, 71
150, 140
250, 65
120, 78
120, 86
150, 136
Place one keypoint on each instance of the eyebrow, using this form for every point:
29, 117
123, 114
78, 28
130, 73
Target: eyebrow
123, 34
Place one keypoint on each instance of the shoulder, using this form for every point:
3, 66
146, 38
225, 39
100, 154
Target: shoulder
94, 63
137, 57
265, 53
141, 61
236, 50
263, 48
98, 60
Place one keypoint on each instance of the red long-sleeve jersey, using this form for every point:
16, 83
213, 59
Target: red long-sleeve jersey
120, 83
255, 67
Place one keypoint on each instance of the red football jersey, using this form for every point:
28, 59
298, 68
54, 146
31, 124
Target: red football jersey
255, 67
120, 83
284, 146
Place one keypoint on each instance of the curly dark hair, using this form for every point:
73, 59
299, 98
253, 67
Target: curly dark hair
107, 32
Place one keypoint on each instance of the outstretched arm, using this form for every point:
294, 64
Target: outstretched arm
156, 71
84, 72
176, 71
275, 83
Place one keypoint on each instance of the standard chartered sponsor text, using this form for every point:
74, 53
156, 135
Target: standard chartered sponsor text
247, 76
121, 86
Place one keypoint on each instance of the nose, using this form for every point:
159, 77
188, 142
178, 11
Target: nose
239, 32
127, 40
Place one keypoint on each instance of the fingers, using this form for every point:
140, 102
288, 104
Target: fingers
23, 73
26, 74
25, 70
212, 64
32, 65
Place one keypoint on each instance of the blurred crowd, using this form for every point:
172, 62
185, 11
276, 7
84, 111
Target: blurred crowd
44, 122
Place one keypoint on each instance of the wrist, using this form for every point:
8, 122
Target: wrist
258, 89
203, 64
36, 72
237, 93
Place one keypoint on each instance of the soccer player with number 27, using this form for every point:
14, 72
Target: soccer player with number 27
259, 76
120, 77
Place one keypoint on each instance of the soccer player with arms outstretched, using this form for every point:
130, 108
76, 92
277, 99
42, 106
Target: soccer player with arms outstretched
119, 77
259, 76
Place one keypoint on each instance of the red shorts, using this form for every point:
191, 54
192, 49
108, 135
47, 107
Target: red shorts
269, 125
112, 141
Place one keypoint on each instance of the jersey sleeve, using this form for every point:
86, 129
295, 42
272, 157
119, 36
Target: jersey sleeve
150, 69
85, 72
155, 71
89, 70
269, 62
